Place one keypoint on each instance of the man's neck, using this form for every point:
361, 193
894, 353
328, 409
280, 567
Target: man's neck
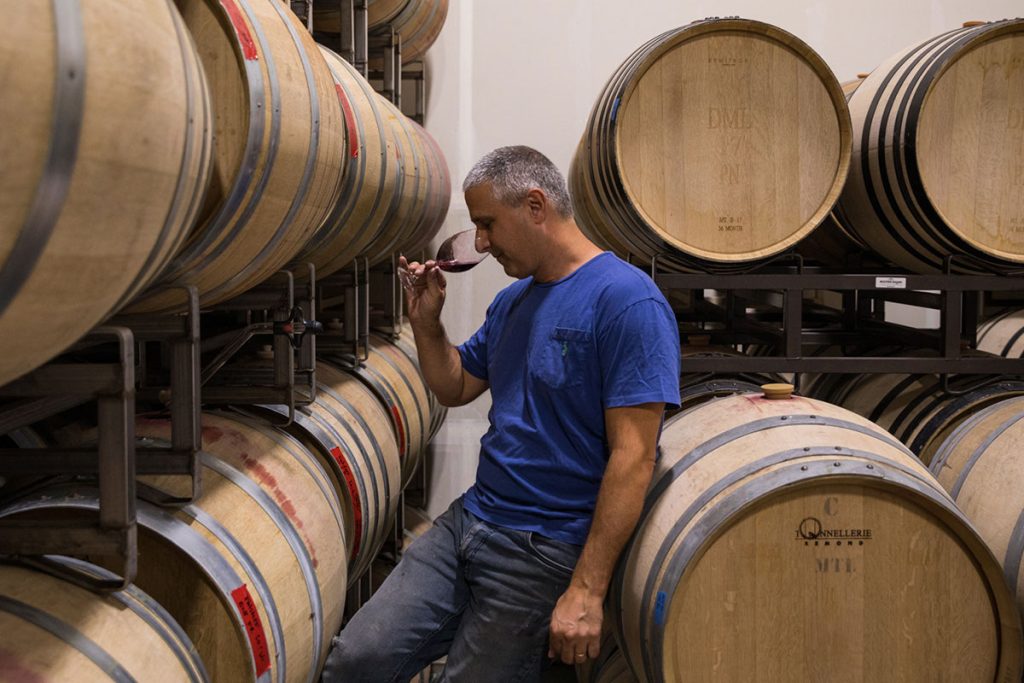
567, 251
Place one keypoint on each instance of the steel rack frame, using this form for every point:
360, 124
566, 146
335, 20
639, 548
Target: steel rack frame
50, 389
956, 297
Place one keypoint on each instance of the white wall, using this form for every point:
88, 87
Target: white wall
527, 72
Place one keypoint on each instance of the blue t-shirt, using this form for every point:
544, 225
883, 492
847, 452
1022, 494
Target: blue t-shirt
556, 355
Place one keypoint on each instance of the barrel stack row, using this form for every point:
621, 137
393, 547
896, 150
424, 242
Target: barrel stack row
248, 582
726, 142
228, 147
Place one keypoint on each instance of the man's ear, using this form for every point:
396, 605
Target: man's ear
537, 203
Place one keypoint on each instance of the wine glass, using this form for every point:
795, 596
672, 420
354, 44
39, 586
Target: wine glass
456, 254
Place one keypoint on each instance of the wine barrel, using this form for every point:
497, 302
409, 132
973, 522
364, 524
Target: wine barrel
916, 409
57, 631
372, 192
246, 460
980, 466
348, 427
780, 526
716, 144
254, 570
412, 183
936, 168
93, 204
397, 383
1003, 335
405, 341
279, 161
437, 193
833, 243
418, 23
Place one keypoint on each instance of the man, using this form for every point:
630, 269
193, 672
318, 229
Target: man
580, 354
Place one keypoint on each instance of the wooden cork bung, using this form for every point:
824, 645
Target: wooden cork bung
777, 391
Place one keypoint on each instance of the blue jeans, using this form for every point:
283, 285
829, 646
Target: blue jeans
481, 593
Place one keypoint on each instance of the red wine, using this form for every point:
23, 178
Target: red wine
454, 266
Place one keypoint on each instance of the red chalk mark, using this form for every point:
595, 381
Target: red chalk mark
249, 50
268, 482
16, 672
253, 628
350, 122
400, 428
212, 434
353, 490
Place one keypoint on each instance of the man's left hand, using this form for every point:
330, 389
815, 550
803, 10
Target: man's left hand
575, 634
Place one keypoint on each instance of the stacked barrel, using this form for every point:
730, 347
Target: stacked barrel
784, 538
228, 147
250, 579
417, 23
726, 142
712, 146
787, 538
261, 150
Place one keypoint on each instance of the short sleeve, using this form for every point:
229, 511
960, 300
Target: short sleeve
474, 351
639, 355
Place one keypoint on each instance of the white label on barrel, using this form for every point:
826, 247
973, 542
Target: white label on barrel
891, 282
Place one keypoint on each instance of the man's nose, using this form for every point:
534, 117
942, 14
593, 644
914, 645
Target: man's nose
481, 243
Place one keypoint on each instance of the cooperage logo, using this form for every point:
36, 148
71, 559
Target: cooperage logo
811, 531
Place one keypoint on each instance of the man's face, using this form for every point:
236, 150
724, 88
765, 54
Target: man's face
502, 230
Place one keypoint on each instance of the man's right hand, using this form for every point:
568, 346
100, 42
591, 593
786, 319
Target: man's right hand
424, 286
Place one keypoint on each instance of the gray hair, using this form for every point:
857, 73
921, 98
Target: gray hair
514, 171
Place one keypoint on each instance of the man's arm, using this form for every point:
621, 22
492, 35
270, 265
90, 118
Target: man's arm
440, 362
632, 438
441, 366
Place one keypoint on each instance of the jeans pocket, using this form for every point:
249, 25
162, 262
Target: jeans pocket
556, 555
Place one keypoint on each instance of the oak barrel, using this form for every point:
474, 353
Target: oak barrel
938, 146
406, 342
254, 570
279, 161
371, 193
917, 409
57, 631
980, 465
397, 383
349, 428
715, 144
418, 24
105, 161
1003, 335
788, 539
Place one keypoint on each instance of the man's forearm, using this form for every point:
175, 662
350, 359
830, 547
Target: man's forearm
619, 504
440, 362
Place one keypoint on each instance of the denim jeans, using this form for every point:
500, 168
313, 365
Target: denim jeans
481, 593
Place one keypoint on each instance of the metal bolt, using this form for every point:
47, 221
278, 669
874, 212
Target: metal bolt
871, 467
835, 464
803, 468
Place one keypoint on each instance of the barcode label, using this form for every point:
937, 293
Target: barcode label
891, 282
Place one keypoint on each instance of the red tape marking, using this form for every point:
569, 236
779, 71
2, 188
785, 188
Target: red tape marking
350, 122
353, 489
400, 428
253, 628
249, 50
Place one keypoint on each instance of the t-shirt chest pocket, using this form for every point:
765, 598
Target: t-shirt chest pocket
564, 357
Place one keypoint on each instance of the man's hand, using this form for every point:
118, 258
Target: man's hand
424, 286
575, 633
